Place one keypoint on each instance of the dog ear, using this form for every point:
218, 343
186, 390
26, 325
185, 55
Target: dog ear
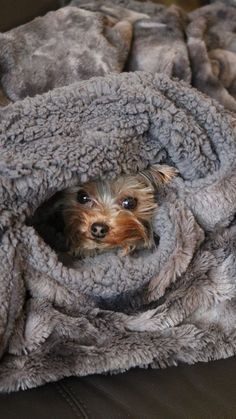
159, 174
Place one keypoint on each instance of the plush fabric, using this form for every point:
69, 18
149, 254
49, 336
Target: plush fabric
60, 48
158, 43
98, 37
175, 303
212, 51
198, 48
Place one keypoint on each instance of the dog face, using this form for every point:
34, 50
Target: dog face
101, 215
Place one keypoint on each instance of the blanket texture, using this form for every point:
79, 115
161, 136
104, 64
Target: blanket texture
62, 47
98, 37
174, 303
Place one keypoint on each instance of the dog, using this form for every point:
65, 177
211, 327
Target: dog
105, 214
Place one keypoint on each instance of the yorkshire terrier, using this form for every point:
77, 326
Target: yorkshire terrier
106, 214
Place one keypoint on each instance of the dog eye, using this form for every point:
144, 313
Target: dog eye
83, 197
129, 203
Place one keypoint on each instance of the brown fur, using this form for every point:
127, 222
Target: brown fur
128, 229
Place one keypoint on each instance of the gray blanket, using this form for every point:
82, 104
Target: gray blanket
98, 37
174, 303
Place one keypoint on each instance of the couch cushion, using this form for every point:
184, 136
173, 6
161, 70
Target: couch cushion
198, 391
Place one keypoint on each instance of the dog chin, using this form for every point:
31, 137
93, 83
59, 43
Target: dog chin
91, 247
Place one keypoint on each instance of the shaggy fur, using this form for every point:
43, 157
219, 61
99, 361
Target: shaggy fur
99, 37
176, 302
60, 48
173, 303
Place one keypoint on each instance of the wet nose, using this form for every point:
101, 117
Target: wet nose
99, 230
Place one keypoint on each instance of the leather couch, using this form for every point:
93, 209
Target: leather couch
193, 392
198, 391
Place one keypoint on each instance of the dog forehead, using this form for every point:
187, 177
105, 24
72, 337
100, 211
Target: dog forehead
126, 184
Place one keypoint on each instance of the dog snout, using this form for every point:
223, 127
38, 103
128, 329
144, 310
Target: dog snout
99, 230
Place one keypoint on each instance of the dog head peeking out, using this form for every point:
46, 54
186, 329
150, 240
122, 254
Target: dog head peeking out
105, 214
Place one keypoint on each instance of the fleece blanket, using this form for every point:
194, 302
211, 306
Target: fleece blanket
174, 303
97, 37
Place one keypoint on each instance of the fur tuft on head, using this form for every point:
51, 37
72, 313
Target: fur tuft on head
159, 174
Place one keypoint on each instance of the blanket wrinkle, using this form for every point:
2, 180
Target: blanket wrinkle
157, 307
188, 238
67, 45
86, 39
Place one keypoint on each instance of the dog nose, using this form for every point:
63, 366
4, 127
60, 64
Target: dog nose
99, 230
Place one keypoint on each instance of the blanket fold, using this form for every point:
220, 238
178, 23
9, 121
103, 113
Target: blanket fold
99, 37
173, 303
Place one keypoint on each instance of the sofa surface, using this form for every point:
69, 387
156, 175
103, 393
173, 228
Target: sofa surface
198, 391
